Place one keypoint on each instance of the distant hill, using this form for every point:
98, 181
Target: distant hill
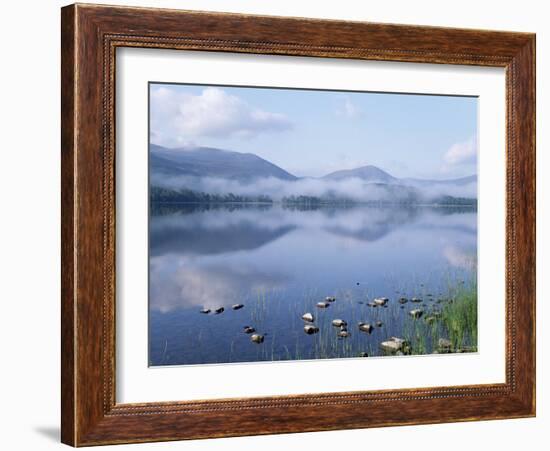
370, 174
210, 162
373, 174
197, 166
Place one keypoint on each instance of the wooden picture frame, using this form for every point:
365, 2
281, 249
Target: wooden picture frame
90, 412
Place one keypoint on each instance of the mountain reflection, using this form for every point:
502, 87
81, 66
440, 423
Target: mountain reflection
217, 229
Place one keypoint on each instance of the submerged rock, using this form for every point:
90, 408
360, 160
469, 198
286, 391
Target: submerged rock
444, 345
365, 327
322, 304
237, 306
416, 313
310, 329
381, 301
257, 338
339, 323
219, 310
206, 311
249, 330
330, 299
395, 345
308, 317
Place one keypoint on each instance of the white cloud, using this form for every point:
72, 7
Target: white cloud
349, 109
178, 118
461, 153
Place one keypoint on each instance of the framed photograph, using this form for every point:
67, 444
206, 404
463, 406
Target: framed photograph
279, 225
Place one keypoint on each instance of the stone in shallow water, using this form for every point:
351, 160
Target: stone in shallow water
237, 306
416, 313
308, 317
310, 329
381, 301
339, 323
257, 338
395, 345
365, 327
444, 344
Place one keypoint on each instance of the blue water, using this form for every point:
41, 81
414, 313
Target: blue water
279, 262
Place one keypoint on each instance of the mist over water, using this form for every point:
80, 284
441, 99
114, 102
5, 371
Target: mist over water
353, 188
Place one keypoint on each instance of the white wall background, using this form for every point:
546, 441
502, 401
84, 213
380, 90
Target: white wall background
29, 227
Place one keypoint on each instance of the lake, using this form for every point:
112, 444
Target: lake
280, 261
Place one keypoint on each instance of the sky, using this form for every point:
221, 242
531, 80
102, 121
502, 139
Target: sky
312, 132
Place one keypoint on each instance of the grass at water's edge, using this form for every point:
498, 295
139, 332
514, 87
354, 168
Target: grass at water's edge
455, 321
460, 319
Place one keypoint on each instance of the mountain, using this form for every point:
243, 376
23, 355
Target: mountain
373, 174
205, 174
367, 173
423, 182
210, 162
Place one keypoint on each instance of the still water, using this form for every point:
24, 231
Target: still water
280, 261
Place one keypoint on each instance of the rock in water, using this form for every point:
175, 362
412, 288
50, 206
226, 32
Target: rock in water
416, 313
365, 327
308, 317
323, 304
257, 338
219, 310
310, 329
381, 301
339, 323
237, 306
206, 311
395, 345
249, 330
444, 345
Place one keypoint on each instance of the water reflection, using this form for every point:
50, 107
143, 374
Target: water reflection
278, 260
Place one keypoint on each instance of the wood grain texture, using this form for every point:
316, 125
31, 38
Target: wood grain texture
90, 36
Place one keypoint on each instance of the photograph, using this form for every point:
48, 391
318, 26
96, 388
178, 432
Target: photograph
297, 224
